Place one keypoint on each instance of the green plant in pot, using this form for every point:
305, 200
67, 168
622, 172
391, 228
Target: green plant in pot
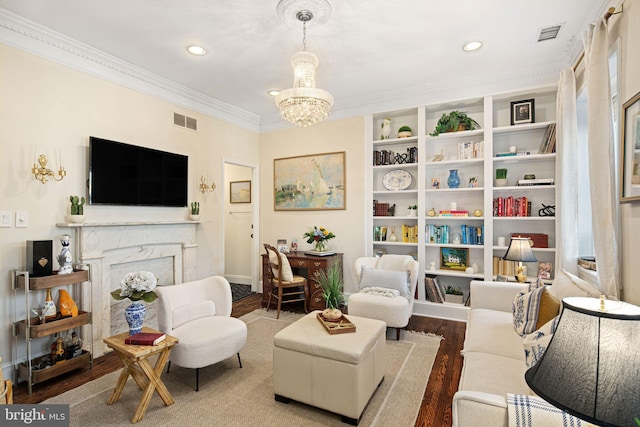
404, 132
331, 282
77, 208
501, 177
453, 122
453, 291
194, 213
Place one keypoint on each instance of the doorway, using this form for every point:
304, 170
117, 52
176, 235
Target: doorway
239, 224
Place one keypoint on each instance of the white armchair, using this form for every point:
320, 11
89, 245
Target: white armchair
198, 314
398, 272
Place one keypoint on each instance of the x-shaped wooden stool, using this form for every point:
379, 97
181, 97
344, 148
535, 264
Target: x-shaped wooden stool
135, 359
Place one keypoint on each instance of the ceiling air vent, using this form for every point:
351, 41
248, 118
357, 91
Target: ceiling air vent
185, 122
549, 33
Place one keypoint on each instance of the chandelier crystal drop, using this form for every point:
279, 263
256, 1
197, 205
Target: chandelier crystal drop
304, 104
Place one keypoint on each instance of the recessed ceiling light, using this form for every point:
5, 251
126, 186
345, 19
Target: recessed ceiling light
273, 92
196, 50
471, 46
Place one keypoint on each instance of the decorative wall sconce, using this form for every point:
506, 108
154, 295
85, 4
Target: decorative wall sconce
40, 170
204, 187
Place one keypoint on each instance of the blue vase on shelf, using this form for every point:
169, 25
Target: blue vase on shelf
135, 314
454, 180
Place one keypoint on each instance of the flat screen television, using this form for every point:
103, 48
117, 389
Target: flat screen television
129, 175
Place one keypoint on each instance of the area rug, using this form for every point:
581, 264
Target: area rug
233, 396
239, 292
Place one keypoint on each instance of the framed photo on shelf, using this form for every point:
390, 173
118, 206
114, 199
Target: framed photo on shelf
454, 258
312, 182
435, 183
282, 246
240, 192
630, 135
523, 112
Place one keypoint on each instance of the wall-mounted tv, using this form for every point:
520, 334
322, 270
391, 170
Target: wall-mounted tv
129, 175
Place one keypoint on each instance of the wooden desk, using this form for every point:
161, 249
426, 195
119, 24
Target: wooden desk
135, 359
305, 266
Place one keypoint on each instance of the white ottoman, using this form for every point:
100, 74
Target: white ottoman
338, 373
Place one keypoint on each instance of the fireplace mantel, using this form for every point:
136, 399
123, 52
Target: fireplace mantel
102, 245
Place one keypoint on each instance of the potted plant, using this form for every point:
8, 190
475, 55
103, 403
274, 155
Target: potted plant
404, 132
501, 177
413, 210
195, 211
331, 282
454, 295
77, 209
453, 122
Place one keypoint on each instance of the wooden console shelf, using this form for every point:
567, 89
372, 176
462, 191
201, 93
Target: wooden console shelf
37, 330
54, 280
40, 375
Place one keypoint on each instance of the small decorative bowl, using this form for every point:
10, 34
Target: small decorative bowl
405, 134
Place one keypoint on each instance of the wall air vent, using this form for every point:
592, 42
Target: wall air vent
549, 33
185, 122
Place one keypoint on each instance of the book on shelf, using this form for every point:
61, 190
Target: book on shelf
514, 154
409, 233
548, 143
510, 206
503, 267
536, 181
432, 290
453, 213
145, 338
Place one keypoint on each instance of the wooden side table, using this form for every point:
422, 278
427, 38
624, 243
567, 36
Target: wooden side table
136, 363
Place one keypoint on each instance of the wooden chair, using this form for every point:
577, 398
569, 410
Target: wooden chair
6, 392
285, 287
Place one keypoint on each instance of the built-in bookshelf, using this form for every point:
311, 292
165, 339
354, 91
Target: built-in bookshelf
445, 216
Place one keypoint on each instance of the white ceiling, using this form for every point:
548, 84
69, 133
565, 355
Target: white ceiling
372, 53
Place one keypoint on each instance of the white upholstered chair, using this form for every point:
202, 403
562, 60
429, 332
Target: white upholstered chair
198, 314
397, 272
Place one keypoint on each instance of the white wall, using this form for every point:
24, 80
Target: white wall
52, 106
348, 225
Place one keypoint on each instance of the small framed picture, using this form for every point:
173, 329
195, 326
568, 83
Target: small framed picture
240, 192
523, 112
454, 258
435, 183
473, 182
282, 246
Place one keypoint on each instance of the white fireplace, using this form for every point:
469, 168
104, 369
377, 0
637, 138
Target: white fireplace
111, 250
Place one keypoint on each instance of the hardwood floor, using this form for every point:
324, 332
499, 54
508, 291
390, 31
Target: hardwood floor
436, 403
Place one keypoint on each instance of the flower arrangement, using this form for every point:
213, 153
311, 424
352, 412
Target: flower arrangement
319, 236
137, 286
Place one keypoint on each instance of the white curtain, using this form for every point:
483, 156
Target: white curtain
601, 161
566, 174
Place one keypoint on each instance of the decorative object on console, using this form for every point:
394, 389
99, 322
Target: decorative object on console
49, 308
520, 250
319, 237
194, 214
40, 170
453, 122
136, 286
304, 104
404, 132
68, 306
77, 209
588, 368
523, 112
454, 180
39, 257
65, 258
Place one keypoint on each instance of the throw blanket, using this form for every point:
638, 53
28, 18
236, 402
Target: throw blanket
532, 411
383, 292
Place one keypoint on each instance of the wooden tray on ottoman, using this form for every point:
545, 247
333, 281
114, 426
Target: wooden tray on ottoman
339, 326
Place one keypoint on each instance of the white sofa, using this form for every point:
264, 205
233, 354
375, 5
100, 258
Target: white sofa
494, 360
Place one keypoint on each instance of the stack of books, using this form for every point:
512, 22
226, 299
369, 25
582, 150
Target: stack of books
453, 213
433, 290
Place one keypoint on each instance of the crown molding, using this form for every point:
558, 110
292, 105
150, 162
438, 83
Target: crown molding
28, 36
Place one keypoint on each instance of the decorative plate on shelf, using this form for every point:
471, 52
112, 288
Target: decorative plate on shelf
398, 179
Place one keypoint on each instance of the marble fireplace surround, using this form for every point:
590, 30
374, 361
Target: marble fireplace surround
104, 245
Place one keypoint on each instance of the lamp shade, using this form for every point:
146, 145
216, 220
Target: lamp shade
591, 368
519, 250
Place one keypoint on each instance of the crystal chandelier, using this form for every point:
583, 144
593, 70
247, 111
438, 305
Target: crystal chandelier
304, 104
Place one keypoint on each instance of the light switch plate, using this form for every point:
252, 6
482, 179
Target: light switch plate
22, 219
5, 219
